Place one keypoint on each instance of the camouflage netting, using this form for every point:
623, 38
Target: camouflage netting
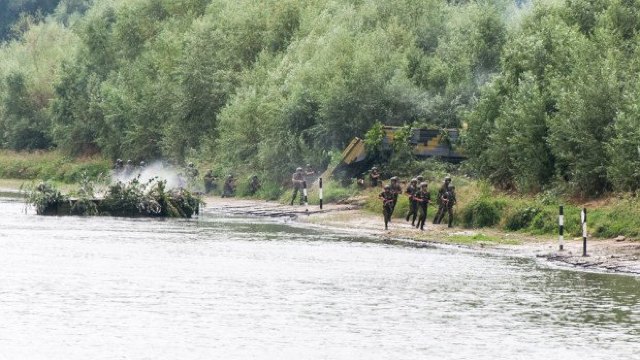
130, 199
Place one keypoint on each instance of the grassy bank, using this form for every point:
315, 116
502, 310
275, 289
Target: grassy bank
480, 206
50, 165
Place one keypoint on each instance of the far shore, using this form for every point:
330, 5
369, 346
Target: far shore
618, 255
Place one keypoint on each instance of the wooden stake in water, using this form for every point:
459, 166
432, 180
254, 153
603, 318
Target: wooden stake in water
561, 228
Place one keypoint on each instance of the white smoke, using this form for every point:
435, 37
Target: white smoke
156, 171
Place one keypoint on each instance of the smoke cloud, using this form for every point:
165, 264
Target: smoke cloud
156, 171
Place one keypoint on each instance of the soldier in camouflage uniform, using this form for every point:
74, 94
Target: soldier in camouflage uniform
229, 187
441, 206
396, 190
423, 197
254, 185
411, 191
388, 203
128, 168
209, 179
374, 176
298, 183
449, 200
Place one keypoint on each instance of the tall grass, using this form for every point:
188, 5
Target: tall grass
50, 165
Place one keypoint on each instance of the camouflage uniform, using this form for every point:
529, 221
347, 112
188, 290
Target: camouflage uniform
449, 200
423, 197
229, 187
411, 191
118, 166
396, 190
192, 172
298, 183
254, 185
388, 203
374, 176
128, 169
209, 182
441, 206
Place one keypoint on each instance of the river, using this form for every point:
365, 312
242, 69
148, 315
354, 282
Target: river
241, 288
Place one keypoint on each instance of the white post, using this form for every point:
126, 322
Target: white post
583, 216
320, 193
304, 193
561, 228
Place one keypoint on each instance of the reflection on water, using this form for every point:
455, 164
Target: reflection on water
231, 288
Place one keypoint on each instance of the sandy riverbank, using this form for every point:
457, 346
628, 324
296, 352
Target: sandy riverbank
610, 255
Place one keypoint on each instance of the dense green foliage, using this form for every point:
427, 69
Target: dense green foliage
548, 90
562, 111
13, 13
246, 86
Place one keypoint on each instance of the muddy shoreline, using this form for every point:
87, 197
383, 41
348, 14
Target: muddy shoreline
620, 256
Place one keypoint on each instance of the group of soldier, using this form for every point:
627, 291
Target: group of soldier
419, 200
417, 191
229, 185
127, 169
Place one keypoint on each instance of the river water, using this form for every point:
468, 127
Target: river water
244, 288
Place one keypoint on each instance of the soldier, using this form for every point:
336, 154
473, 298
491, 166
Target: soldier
209, 179
192, 172
118, 168
396, 190
423, 198
309, 171
229, 187
441, 207
142, 164
388, 203
298, 183
254, 185
128, 169
374, 176
411, 191
449, 200
420, 179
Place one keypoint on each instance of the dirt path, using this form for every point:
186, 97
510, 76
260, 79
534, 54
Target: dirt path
610, 255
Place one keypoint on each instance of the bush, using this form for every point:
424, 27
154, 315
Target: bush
482, 212
270, 191
545, 222
520, 218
